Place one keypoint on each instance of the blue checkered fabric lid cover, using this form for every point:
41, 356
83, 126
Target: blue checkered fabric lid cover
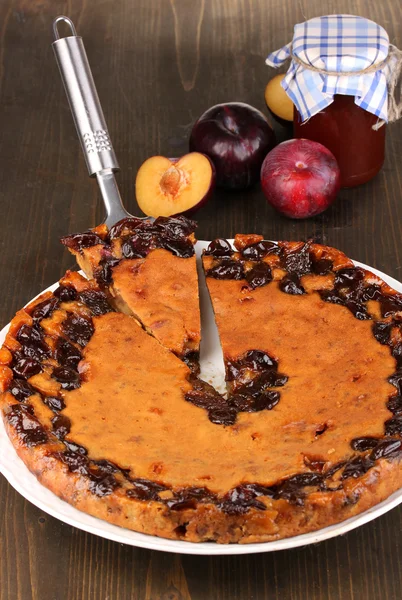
342, 44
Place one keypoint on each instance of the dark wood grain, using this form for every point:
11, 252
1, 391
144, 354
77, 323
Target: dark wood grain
159, 64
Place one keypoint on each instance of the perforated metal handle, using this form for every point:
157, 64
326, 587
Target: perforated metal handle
84, 101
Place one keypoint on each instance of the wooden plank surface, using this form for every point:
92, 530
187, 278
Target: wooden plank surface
159, 64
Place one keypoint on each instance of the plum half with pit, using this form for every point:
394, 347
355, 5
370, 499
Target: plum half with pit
300, 178
171, 186
236, 137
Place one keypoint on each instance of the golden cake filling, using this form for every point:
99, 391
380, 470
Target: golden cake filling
136, 416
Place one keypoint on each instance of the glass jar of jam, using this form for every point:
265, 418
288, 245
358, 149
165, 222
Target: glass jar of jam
338, 82
347, 130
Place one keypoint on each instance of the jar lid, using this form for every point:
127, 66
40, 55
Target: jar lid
336, 54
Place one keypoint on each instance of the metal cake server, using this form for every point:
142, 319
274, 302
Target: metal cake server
89, 119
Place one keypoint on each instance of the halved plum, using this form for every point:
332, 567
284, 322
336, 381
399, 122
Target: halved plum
171, 186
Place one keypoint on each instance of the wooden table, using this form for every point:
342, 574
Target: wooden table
158, 65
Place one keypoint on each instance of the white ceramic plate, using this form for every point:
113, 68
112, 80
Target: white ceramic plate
15, 471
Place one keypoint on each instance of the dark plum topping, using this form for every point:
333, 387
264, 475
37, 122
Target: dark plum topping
293, 493
101, 474
37, 352
101, 481
364, 443
75, 461
393, 426
280, 380
222, 416
232, 370
69, 379
143, 489
61, 426
44, 309
386, 449
257, 360
188, 497
334, 469
65, 293
322, 266
78, 329
357, 309
182, 248
259, 275
192, 360
175, 228
128, 250
397, 354
67, 354
349, 291
22, 418
371, 292
265, 401
103, 486
356, 467
263, 381
299, 261
204, 395
76, 448
26, 368
259, 250
331, 296
390, 305
394, 404
252, 396
382, 332
219, 248
104, 273
137, 245
31, 339
96, 301
29, 335
226, 269
290, 284
203, 399
303, 480
240, 499
79, 241
20, 389
55, 404
182, 503
349, 278
396, 380
141, 236
130, 224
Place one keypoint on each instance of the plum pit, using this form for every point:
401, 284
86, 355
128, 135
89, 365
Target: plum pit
167, 187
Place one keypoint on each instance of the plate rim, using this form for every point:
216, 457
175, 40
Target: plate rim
96, 526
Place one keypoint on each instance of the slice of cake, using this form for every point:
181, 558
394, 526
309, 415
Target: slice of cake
148, 270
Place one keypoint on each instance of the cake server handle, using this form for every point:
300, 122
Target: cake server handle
88, 117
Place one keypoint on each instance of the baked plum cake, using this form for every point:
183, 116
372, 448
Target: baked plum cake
148, 269
113, 421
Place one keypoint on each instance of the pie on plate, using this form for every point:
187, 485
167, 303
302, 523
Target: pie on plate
115, 422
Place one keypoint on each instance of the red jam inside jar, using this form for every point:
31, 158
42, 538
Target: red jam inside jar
347, 130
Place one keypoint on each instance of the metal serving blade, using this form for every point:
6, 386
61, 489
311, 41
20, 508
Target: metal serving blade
88, 117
